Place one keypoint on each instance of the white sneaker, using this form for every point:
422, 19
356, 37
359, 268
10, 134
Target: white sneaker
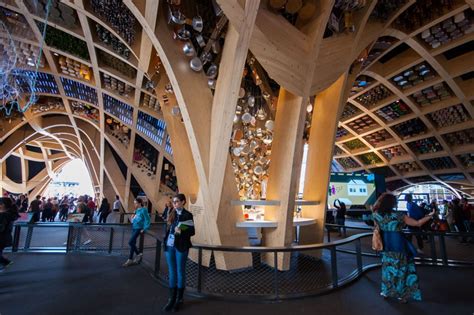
138, 259
87, 242
420, 251
129, 262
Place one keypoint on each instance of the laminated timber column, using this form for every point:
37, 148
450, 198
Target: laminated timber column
327, 110
285, 167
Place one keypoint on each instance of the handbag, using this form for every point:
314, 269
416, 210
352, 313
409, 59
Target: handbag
377, 243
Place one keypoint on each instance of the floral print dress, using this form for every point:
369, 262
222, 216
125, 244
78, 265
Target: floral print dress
399, 278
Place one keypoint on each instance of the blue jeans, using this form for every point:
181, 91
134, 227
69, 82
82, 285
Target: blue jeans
133, 243
176, 261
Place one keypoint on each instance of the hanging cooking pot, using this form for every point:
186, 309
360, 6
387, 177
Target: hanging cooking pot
198, 24
206, 57
241, 92
183, 33
196, 64
200, 40
189, 50
269, 124
251, 101
212, 71
246, 118
175, 17
211, 83
261, 114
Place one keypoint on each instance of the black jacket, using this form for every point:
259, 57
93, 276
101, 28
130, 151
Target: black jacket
182, 241
6, 228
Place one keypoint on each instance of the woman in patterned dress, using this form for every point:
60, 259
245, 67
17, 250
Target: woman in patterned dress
399, 278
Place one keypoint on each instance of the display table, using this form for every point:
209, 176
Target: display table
273, 224
254, 231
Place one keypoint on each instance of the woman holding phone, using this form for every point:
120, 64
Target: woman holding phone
177, 241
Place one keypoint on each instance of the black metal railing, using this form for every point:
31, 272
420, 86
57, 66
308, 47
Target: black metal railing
270, 273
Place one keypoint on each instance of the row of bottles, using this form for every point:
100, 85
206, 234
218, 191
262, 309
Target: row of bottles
168, 147
394, 151
467, 160
449, 116
379, 137
112, 41
410, 128
38, 82
338, 150
119, 109
347, 163
355, 144
362, 124
117, 14
373, 96
460, 138
145, 157
349, 111
74, 68
422, 12
84, 110
433, 94
448, 30
46, 104
116, 85
439, 163
118, 130
370, 158
393, 111
407, 167
341, 132
152, 127
150, 102
16, 24
20, 54
65, 42
424, 146
414, 76
79, 91
116, 64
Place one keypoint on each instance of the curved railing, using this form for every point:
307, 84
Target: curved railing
243, 272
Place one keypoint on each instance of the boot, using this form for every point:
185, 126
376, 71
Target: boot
171, 300
179, 300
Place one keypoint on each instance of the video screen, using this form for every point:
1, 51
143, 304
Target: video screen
352, 189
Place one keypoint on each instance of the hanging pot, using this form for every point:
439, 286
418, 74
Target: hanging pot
261, 114
246, 118
175, 17
206, 57
197, 23
189, 50
211, 83
212, 71
251, 101
183, 33
269, 124
268, 139
241, 92
200, 40
196, 64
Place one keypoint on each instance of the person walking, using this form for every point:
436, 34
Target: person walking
167, 209
340, 215
140, 223
459, 218
399, 277
8, 214
104, 210
177, 241
64, 209
35, 208
415, 212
